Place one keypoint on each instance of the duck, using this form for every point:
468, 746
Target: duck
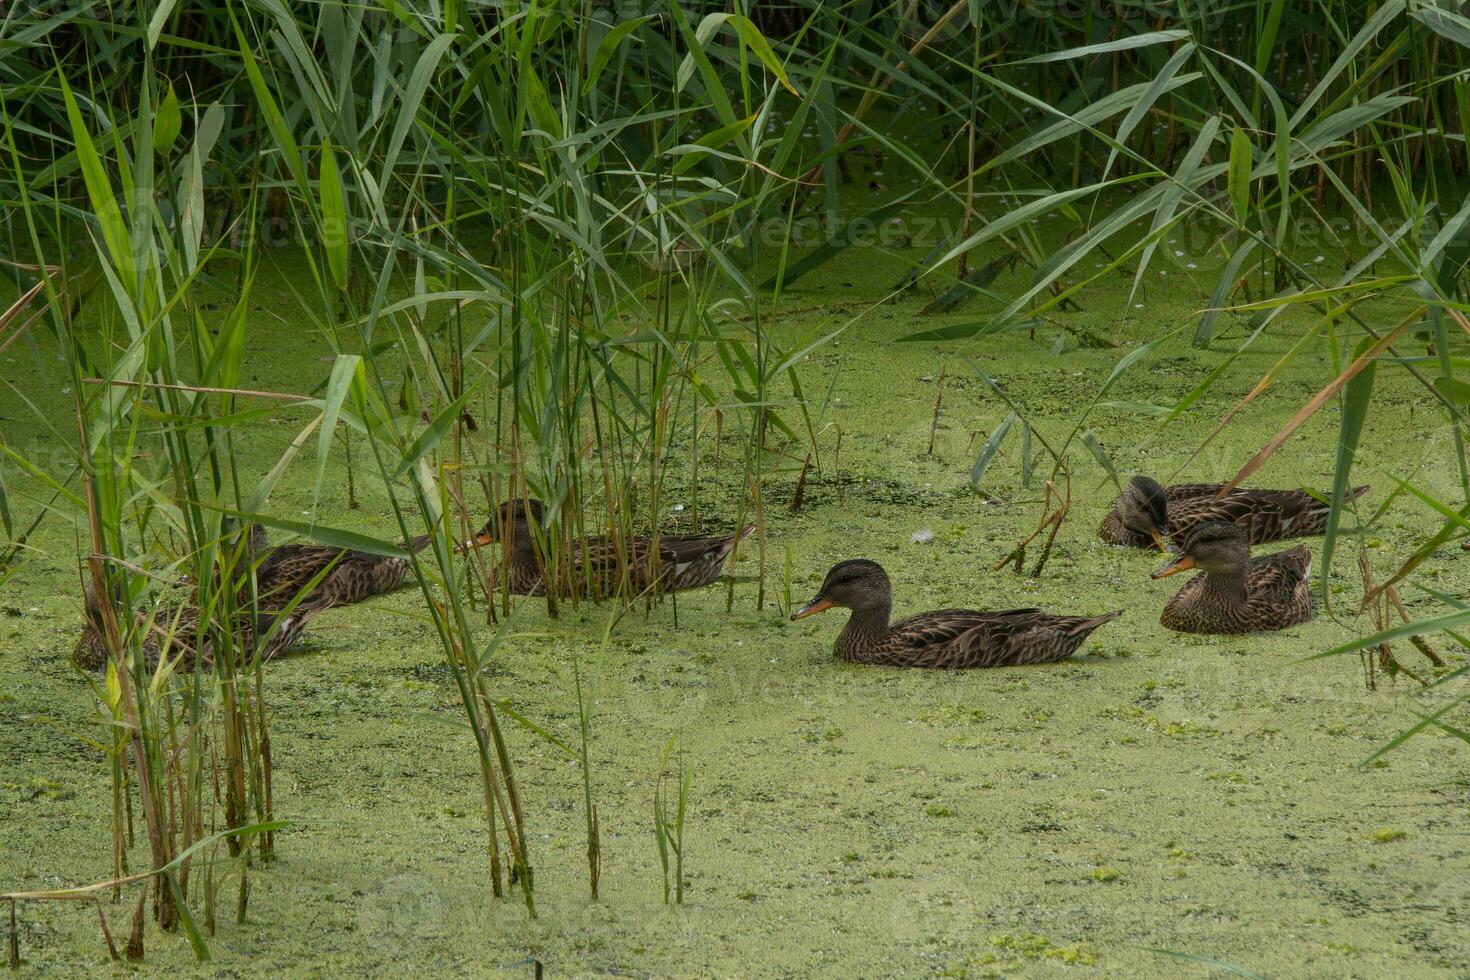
174, 631
348, 576
1145, 513
945, 638
681, 562
351, 576
1235, 593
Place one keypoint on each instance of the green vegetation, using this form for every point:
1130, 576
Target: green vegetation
877, 277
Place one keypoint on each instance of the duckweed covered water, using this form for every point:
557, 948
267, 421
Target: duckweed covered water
1195, 794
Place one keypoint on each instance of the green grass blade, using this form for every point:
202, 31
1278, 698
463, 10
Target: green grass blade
1355, 398
334, 217
992, 446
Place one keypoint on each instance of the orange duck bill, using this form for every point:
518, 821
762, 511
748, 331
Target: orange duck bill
818, 604
1181, 563
481, 539
1159, 540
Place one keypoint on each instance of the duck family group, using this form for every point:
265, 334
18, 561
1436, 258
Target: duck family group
1202, 526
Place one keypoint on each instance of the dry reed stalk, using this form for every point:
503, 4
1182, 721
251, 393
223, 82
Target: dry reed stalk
202, 389
938, 402
1051, 518
106, 932
1318, 400
1382, 613
135, 936
800, 494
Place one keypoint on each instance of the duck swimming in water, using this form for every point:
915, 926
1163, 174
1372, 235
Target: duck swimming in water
174, 632
944, 638
1144, 514
350, 576
1235, 593
680, 561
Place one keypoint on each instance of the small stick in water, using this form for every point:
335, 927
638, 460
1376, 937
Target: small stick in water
837, 468
938, 401
800, 493
106, 932
14, 939
135, 938
1050, 518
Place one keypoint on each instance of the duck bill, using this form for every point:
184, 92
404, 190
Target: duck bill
818, 604
1182, 563
478, 541
1158, 537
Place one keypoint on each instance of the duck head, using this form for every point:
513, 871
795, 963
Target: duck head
858, 584
1143, 509
513, 518
1213, 547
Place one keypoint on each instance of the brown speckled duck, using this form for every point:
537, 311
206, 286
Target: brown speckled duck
1145, 513
174, 632
352, 576
683, 561
1235, 593
944, 638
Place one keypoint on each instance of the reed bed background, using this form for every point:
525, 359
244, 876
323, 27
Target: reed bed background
548, 245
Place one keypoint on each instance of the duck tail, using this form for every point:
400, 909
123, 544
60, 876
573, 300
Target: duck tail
1312, 519
727, 545
1088, 624
1302, 556
1322, 507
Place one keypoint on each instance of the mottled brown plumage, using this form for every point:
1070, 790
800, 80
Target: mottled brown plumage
597, 563
1144, 513
174, 632
351, 576
954, 638
1235, 593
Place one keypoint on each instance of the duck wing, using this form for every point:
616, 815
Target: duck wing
1188, 491
1281, 577
1266, 515
696, 547
598, 562
696, 560
1278, 591
286, 569
964, 638
351, 576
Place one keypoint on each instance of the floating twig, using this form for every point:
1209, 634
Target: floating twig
1055, 505
800, 494
938, 401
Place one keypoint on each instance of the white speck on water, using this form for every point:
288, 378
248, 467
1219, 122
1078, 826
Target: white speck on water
1178, 253
1320, 259
678, 508
1138, 306
922, 536
1193, 266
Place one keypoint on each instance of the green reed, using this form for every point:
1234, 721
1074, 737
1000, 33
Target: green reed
668, 819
